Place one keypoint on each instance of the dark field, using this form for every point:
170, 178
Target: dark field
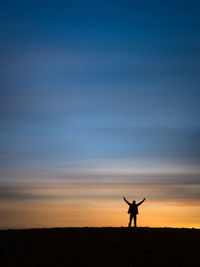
100, 247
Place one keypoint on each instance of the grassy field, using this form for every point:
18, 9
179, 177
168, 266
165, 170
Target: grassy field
100, 247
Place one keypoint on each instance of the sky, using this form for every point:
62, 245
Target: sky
99, 100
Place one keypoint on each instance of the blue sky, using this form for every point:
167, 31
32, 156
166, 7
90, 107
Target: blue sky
98, 81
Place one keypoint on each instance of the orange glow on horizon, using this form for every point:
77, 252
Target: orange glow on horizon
97, 214
98, 204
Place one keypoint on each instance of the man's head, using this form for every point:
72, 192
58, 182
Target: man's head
133, 202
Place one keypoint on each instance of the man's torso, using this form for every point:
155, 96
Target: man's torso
133, 209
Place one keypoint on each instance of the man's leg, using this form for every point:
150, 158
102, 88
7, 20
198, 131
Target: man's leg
135, 220
130, 220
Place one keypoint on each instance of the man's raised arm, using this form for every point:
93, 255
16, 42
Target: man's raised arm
141, 202
126, 201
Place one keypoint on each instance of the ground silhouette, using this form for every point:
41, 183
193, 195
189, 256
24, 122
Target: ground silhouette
100, 247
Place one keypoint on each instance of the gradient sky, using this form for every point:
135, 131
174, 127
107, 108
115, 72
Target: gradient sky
99, 99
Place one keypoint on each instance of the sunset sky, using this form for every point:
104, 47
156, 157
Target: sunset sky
99, 100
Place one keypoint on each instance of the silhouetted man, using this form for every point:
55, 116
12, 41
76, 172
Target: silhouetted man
133, 211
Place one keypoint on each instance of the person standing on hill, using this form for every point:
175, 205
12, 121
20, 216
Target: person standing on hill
133, 211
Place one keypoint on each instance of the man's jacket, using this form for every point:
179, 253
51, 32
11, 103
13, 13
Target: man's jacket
133, 209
